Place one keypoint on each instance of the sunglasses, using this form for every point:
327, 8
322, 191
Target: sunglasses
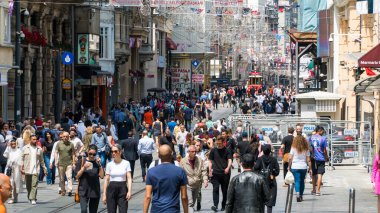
91, 154
115, 151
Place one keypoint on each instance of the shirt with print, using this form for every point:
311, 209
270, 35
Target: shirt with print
65, 151
318, 144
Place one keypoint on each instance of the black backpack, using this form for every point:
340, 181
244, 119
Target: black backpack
265, 172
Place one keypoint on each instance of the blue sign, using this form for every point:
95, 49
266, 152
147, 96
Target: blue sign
67, 58
195, 62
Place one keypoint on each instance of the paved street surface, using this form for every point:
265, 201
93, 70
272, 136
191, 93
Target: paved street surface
335, 192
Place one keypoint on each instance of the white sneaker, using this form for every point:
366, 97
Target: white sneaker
34, 202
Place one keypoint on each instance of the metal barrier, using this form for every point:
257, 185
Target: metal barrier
351, 143
351, 202
289, 198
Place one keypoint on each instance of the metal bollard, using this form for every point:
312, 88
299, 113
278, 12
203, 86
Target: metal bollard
289, 198
351, 208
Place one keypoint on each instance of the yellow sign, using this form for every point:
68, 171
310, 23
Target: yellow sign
66, 84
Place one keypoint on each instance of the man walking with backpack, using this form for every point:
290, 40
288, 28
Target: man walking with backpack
268, 167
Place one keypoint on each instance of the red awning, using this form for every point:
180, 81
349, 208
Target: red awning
371, 58
170, 44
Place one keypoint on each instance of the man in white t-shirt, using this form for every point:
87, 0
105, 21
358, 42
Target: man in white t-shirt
78, 145
279, 107
181, 140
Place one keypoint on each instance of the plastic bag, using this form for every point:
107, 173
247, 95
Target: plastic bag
289, 178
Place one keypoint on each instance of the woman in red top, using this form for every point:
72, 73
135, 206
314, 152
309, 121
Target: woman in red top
148, 117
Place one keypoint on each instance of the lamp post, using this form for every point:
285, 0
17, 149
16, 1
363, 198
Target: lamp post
17, 101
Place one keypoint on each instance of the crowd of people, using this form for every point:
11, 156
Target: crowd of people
193, 151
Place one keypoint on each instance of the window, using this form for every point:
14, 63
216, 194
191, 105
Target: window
7, 27
326, 106
104, 42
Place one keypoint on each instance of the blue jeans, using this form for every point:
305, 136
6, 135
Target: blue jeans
181, 150
102, 156
49, 177
299, 180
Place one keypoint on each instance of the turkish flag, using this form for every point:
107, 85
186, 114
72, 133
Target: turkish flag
369, 72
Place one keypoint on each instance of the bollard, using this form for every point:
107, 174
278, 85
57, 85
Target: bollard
351, 203
289, 198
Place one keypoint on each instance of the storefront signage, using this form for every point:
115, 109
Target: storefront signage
83, 49
98, 80
180, 76
161, 62
198, 78
177, 3
127, 3
66, 84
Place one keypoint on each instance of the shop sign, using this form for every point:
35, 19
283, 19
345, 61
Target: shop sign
98, 80
66, 84
161, 62
83, 49
198, 78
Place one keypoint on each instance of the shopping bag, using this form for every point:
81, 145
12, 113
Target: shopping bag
289, 178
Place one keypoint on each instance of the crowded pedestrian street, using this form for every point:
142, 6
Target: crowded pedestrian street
169, 106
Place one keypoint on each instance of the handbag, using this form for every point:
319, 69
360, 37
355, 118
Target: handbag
286, 157
76, 195
9, 171
289, 178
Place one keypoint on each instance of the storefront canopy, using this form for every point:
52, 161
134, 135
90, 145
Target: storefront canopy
371, 59
367, 85
170, 44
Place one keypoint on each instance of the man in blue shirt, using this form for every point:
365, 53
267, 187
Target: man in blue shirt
171, 125
166, 181
318, 147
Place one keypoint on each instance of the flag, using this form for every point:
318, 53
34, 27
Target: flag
367, 6
369, 72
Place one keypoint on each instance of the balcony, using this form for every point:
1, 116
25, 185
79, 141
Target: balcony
139, 31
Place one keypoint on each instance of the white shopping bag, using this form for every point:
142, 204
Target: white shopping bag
289, 178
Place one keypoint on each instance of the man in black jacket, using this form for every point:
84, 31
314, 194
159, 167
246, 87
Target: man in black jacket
130, 147
247, 191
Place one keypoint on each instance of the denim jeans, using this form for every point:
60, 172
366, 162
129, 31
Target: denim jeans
299, 180
181, 149
102, 156
49, 177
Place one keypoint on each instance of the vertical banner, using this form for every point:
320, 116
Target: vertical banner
323, 32
82, 49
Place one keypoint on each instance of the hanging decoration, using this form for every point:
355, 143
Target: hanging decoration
35, 37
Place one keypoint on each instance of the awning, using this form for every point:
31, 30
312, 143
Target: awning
319, 95
367, 85
371, 59
170, 44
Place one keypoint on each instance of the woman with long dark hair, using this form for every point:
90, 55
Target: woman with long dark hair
90, 170
47, 147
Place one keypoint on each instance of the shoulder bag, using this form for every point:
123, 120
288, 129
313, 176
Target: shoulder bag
76, 195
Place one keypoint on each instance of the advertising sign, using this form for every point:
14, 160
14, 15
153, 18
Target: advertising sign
177, 3
180, 77
198, 78
83, 49
66, 84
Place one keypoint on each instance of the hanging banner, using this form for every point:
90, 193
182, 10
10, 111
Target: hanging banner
82, 49
127, 3
221, 3
177, 3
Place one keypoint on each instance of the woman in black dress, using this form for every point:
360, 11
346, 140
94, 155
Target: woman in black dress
89, 184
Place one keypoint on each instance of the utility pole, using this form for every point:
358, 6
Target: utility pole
17, 100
